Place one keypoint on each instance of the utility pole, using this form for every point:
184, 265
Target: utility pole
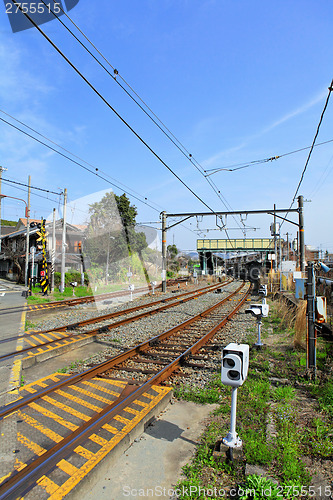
311, 337
164, 251
53, 249
287, 234
2, 169
275, 242
301, 233
63, 244
27, 239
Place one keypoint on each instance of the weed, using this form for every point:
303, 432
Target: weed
320, 438
205, 395
29, 325
284, 393
258, 488
325, 396
72, 366
22, 381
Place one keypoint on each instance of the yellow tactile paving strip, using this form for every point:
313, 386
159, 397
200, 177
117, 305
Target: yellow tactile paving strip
47, 421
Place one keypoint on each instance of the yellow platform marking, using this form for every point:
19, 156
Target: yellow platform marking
110, 428
91, 395
105, 449
83, 452
36, 339
48, 485
38, 450
58, 336
40, 384
117, 383
40, 427
140, 403
79, 401
100, 388
53, 416
30, 342
66, 408
130, 410
19, 465
121, 419
2, 479
15, 373
31, 390
55, 377
45, 337
146, 395
98, 439
67, 467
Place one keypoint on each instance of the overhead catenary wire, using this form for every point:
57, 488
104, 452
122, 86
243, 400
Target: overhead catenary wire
76, 162
77, 157
72, 65
168, 134
240, 166
330, 88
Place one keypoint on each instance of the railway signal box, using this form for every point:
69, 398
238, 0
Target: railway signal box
235, 364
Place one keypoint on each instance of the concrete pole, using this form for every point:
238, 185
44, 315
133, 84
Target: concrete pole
280, 258
275, 242
287, 234
26, 278
164, 250
301, 233
311, 337
2, 169
63, 245
53, 249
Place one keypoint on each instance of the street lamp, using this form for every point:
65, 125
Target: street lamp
27, 214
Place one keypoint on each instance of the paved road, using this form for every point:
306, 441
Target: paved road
11, 324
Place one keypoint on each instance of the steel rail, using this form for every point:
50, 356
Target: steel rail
99, 319
24, 480
81, 300
108, 364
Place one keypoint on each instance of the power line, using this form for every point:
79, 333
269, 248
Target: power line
34, 194
32, 187
169, 135
74, 161
111, 107
75, 156
330, 88
240, 166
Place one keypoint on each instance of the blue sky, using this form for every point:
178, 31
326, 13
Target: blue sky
235, 81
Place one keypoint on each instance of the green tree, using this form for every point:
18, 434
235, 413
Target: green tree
111, 235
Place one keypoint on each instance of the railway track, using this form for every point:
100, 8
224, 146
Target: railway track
35, 308
68, 437
56, 337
